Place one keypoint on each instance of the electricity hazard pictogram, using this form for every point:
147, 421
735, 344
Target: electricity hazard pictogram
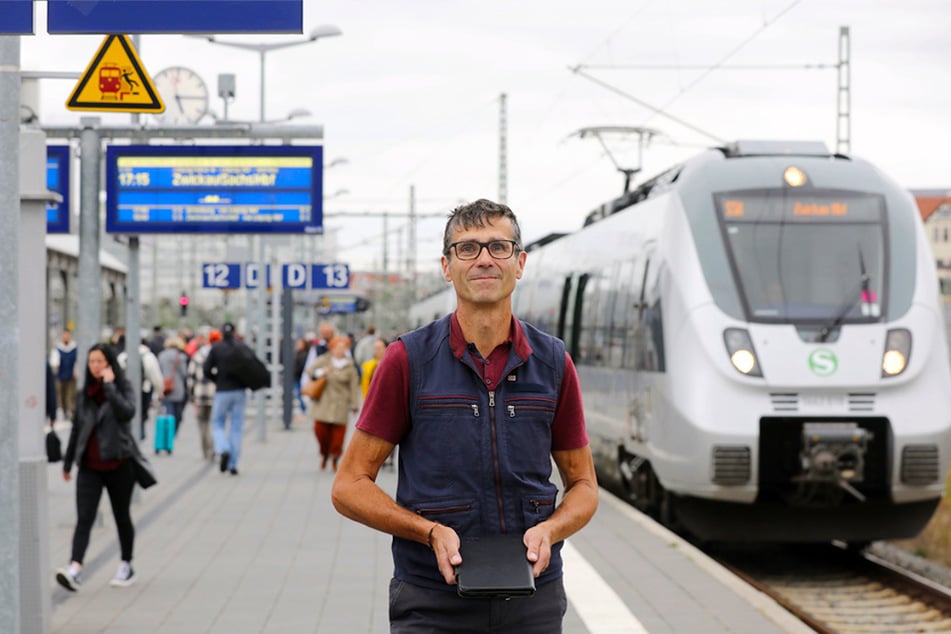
116, 81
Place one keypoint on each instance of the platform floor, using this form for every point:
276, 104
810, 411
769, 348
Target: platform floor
265, 551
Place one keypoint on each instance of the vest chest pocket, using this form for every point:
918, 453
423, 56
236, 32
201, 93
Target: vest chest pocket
450, 405
530, 407
459, 514
524, 431
448, 432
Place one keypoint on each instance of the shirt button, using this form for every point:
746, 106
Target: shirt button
488, 381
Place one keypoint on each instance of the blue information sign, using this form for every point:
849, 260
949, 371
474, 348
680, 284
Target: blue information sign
16, 18
330, 276
174, 16
294, 276
226, 275
57, 180
214, 189
220, 275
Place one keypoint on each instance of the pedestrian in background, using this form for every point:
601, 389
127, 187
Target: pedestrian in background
101, 444
369, 366
157, 342
340, 398
150, 376
202, 390
301, 350
63, 359
174, 364
475, 398
319, 346
50, 395
222, 364
363, 349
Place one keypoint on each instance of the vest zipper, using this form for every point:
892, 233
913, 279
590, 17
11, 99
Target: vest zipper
495, 461
537, 503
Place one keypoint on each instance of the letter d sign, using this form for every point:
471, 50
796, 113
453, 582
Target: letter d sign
295, 276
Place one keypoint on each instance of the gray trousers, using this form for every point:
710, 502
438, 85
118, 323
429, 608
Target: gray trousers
414, 610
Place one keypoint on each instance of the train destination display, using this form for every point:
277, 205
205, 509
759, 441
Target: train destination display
214, 189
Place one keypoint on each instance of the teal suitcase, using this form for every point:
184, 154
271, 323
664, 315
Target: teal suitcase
164, 433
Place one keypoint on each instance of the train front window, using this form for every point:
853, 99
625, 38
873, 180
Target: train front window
806, 257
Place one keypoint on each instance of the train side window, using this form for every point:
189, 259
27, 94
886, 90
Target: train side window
617, 326
653, 358
574, 328
597, 304
563, 311
633, 321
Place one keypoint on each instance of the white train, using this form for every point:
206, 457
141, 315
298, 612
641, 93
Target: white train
760, 341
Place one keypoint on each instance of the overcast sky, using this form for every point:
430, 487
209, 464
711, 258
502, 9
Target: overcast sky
409, 94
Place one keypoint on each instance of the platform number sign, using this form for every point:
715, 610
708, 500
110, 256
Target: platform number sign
330, 276
220, 275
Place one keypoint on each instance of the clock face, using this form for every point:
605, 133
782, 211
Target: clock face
184, 93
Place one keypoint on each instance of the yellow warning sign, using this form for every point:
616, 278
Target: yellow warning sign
115, 81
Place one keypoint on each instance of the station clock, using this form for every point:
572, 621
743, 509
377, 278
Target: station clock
184, 93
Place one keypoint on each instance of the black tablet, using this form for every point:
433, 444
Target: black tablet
494, 566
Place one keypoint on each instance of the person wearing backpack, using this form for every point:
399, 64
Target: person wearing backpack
224, 366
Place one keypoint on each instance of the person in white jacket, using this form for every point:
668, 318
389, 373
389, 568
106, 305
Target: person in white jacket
151, 377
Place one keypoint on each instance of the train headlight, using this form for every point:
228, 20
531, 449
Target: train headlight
740, 349
794, 176
897, 352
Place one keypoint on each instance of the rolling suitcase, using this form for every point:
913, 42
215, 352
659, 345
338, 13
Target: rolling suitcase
164, 433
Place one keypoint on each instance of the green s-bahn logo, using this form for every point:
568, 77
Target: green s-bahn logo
823, 362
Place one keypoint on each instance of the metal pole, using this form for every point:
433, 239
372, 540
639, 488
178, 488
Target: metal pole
261, 347
263, 52
503, 145
276, 345
90, 308
133, 326
9, 333
843, 126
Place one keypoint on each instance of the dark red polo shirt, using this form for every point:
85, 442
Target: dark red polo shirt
386, 410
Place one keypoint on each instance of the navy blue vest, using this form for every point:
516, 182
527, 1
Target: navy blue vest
67, 363
475, 459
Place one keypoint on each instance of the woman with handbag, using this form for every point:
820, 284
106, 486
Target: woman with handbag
101, 444
340, 398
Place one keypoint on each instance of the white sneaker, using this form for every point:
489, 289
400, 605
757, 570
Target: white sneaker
125, 576
69, 578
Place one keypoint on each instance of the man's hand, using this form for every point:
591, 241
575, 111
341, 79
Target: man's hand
445, 545
537, 541
67, 476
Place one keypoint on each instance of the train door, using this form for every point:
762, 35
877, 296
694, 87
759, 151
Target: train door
568, 313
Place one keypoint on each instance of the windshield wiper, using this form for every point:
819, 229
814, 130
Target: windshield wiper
862, 289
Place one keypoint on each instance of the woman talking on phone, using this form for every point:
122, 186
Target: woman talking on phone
101, 444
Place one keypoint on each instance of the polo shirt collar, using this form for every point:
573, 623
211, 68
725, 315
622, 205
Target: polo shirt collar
458, 343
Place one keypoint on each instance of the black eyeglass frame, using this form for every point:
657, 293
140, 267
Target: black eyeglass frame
483, 245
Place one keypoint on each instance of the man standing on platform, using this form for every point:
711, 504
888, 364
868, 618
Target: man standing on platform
63, 361
479, 403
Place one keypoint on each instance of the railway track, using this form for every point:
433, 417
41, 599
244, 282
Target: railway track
837, 591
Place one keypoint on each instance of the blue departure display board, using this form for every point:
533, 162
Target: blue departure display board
57, 180
16, 18
174, 16
214, 189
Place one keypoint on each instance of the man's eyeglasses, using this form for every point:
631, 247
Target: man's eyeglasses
471, 249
